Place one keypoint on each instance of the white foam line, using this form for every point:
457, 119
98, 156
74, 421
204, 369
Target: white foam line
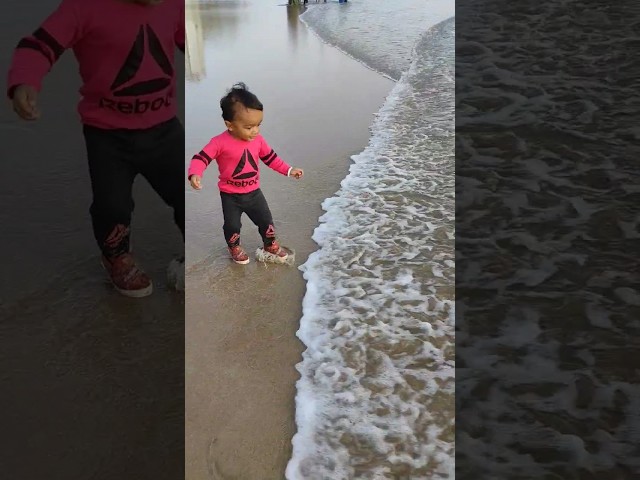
311, 332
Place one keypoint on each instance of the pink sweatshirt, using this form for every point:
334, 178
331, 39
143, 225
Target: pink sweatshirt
237, 162
125, 52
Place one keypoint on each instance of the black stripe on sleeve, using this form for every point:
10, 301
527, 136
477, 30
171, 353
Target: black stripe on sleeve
46, 38
207, 158
33, 45
198, 157
271, 158
264, 157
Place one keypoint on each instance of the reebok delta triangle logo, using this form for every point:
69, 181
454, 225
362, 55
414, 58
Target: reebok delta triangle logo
247, 168
271, 232
238, 172
124, 85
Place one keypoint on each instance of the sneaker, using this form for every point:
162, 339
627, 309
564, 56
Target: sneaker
126, 277
275, 249
175, 273
239, 255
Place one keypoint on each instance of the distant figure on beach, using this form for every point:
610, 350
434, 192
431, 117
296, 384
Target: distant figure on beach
297, 2
125, 50
236, 151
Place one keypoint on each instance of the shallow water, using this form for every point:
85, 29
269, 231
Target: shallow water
376, 397
379, 33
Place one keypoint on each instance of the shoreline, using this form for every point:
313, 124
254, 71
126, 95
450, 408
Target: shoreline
241, 321
312, 30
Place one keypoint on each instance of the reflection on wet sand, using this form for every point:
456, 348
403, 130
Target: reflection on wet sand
217, 19
293, 12
194, 48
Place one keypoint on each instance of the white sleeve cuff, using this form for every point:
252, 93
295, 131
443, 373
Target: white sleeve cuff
289, 171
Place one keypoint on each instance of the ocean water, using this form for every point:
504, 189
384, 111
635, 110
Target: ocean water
376, 395
545, 134
379, 33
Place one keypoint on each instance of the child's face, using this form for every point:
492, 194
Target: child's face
245, 124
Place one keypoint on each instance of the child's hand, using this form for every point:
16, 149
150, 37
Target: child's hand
25, 102
296, 173
195, 182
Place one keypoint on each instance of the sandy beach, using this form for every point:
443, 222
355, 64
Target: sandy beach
241, 321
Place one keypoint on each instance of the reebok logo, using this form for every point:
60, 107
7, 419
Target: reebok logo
242, 174
271, 232
124, 86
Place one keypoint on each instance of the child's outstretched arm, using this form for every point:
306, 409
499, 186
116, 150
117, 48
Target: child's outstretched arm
200, 161
35, 55
274, 162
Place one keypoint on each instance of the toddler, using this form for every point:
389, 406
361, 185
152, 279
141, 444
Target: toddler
125, 51
236, 151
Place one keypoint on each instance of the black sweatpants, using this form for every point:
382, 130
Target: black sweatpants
255, 206
115, 158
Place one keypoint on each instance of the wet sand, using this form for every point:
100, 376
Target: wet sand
241, 348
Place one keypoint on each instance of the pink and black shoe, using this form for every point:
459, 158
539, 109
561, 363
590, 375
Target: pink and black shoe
127, 277
239, 255
275, 249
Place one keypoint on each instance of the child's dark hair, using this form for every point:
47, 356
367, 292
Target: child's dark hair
239, 93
